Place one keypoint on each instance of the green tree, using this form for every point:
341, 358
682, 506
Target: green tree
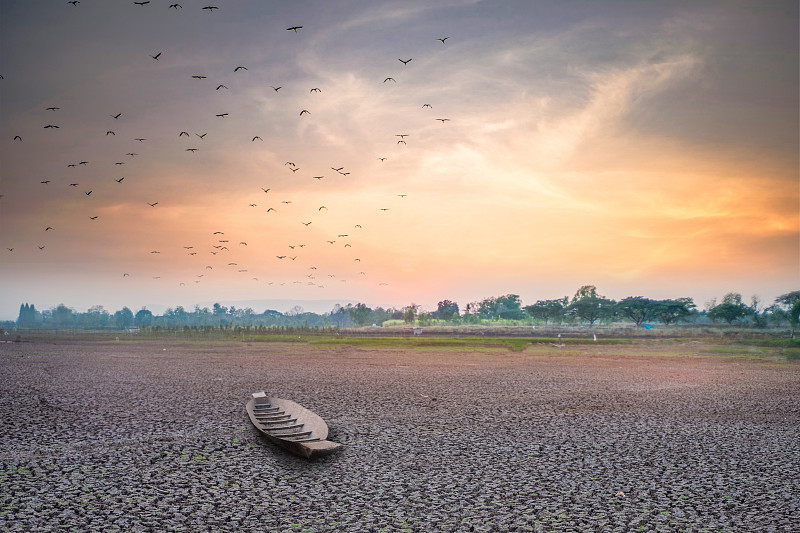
548, 310
361, 314
27, 316
669, 311
63, 316
123, 318
637, 309
589, 306
731, 309
446, 309
143, 317
410, 313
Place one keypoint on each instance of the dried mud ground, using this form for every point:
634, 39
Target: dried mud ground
152, 435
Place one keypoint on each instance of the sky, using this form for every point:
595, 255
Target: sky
457, 149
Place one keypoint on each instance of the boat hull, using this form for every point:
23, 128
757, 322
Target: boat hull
290, 425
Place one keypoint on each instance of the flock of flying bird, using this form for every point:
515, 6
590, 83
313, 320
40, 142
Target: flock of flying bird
219, 244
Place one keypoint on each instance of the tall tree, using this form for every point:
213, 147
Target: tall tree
669, 311
637, 309
123, 318
446, 310
589, 306
731, 309
548, 309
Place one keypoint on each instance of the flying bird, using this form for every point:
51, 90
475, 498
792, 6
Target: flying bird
270, 209
140, 140
266, 190
304, 111
73, 184
120, 114
45, 182
51, 126
156, 56
153, 204
387, 79
280, 256
199, 77
175, 6
201, 136
404, 61
428, 106
337, 169
109, 132
220, 86
402, 135
142, 3
316, 90
402, 195
183, 133
289, 163
277, 88
294, 28
74, 2
382, 159
257, 137
443, 39
211, 8
306, 224
17, 137
52, 108
239, 68
223, 115
317, 177
443, 120
93, 218
88, 193
48, 228
192, 149
321, 208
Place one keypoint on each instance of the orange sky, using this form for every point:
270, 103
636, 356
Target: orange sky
626, 148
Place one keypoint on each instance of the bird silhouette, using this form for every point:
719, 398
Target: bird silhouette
153, 204
183, 133
294, 28
17, 138
48, 228
427, 105
51, 126
270, 209
382, 159
156, 56
316, 90
175, 6
443, 120
142, 3
443, 39
52, 108
88, 193
218, 233
73, 184
321, 208
239, 68
140, 140
280, 256
93, 218
304, 111
220, 86
306, 224
202, 136
266, 190
45, 182
402, 195
317, 177
387, 79
109, 132
192, 149
277, 88
199, 77
222, 115
404, 61
74, 2
257, 137
117, 115
120, 180
211, 8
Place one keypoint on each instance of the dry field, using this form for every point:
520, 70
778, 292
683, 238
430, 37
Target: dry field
152, 435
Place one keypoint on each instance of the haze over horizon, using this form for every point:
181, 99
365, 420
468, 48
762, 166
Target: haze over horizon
456, 150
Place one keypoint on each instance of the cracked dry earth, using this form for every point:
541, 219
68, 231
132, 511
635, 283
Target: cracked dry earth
152, 435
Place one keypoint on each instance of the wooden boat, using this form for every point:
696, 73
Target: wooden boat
290, 425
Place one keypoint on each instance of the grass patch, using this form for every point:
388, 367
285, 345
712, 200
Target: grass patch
792, 354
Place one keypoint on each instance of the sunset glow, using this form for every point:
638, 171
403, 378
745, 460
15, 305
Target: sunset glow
646, 149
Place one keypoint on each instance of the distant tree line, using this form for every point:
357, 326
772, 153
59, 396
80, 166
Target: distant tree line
585, 307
